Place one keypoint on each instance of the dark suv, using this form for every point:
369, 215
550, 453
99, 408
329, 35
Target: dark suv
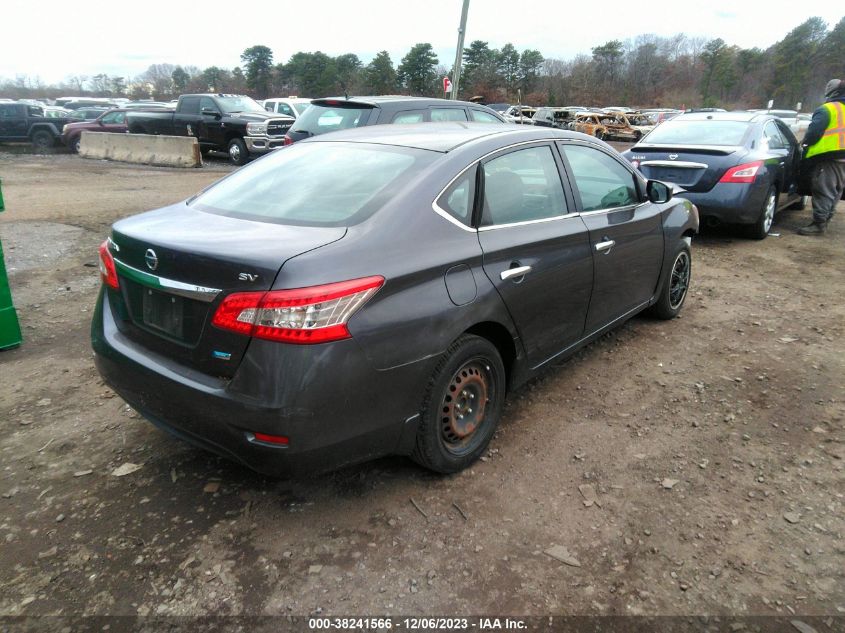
25, 122
338, 113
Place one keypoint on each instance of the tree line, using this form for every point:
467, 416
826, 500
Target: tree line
646, 70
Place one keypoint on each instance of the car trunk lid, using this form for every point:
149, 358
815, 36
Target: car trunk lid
696, 168
176, 265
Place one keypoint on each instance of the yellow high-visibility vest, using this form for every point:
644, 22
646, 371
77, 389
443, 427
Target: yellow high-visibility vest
833, 139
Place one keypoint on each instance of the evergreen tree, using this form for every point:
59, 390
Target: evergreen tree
417, 70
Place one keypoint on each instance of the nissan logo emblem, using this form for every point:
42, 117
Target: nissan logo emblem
151, 259
672, 156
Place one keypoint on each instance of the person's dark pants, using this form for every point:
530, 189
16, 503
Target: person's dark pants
828, 185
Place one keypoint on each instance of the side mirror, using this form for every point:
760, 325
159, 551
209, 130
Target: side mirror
211, 112
658, 192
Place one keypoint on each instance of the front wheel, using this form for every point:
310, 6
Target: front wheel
674, 290
238, 154
43, 140
760, 229
75, 143
462, 406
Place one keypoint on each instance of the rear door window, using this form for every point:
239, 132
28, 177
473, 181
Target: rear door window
189, 105
601, 181
521, 186
772, 136
409, 116
459, 197
448, 114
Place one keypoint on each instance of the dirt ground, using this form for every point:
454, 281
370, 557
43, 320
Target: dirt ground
688, 467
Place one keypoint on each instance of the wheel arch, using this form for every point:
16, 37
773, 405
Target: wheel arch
503, 340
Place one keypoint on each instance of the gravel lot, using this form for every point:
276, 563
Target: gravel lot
691, 466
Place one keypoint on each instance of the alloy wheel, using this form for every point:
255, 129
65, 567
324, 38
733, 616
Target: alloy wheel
680, 280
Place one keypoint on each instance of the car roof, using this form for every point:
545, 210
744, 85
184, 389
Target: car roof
382, 100
440, 137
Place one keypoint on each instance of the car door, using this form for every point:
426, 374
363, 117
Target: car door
114, 122
12, 121
536, 250
625, 232
781, 161
212, 128
793, 160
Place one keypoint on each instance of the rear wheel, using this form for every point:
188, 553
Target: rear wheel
462, 406
674, 290
43, 140
760, 229
600, 135
238, 154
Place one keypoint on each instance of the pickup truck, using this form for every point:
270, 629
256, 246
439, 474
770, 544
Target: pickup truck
231, 123
25, 122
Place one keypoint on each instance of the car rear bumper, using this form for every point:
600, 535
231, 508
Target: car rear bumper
263, 144
731, 203
330, 402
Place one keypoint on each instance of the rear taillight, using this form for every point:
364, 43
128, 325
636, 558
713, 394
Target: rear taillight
302, 315
746, 172
107, 268
288, 140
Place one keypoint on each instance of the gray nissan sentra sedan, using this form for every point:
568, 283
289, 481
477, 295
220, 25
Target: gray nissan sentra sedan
378, 291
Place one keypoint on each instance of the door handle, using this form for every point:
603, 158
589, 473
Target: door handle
510, 273
604, 247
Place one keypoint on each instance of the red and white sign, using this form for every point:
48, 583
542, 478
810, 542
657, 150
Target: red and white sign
447, 84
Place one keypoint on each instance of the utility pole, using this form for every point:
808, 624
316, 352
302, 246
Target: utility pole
459, 54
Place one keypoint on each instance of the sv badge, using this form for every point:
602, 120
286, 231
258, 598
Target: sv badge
247, 277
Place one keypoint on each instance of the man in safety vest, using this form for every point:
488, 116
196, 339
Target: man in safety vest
825, 149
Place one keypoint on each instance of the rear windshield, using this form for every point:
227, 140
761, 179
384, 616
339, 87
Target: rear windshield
315, 184
319, 119
301, 106
686, 132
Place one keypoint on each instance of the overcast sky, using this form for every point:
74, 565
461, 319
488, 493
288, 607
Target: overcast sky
123, 38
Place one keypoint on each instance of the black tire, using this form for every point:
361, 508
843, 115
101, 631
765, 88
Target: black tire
74, 144
42, 140
238, 154
674, 291
452, 433
600, 135
760, 229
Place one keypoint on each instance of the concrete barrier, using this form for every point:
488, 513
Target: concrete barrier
144, 149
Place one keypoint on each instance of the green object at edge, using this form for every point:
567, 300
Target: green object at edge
10, 329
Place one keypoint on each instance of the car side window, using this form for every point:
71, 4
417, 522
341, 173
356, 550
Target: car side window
409, 116
459, 197
269, 106
521, 186
190, 105
484, 117
208, 103
772, 136
448, 114
602, 182
284, 108
7, 111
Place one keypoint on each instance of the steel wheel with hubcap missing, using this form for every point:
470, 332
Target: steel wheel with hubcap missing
674, 291
462, 406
